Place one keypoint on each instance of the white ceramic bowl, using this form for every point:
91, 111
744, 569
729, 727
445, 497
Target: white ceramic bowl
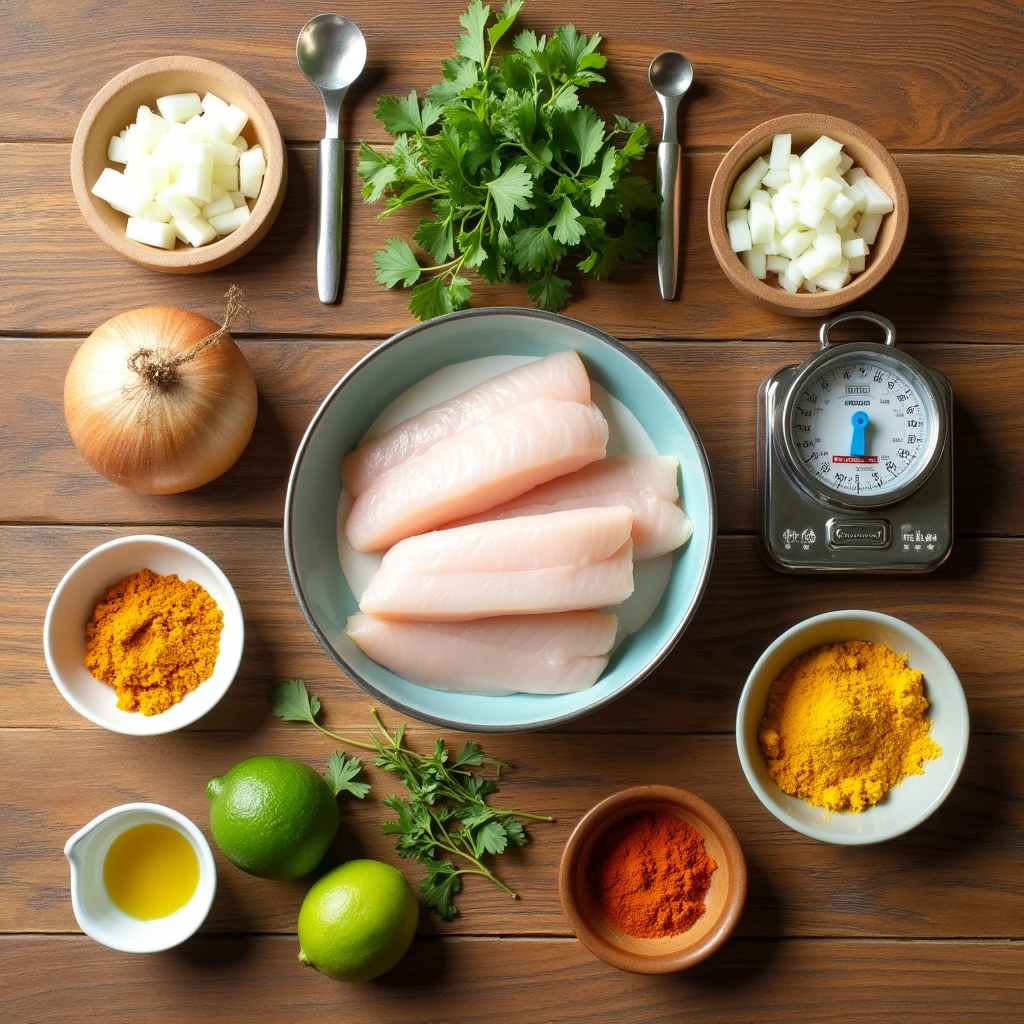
72, 606
917, 796
94, 910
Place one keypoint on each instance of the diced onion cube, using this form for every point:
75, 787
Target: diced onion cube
772, 248
855, 247
854, 174
197, 154
792, 278
196, 231
831, 249
117, 150
811, 261
179, 106
867, 227
762, 223
784, 212
237, 199
776, 179
831, 279
226, 177
177, 203
856, 265
225, 223
756, 262
251, 167
214, 129
234, 120
147, 173
759, 195
822, 156
797, 171
225, 205
809, 216
840, 206
123, 195
196, 182
211, 103
777, 264
745, 183
827, 224
779, 159
739, 232
820, 192
157, 213
150, 232
878, 200
845, 163
795, 242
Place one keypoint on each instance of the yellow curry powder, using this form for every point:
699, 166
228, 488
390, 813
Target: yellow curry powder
154, 639
846, 723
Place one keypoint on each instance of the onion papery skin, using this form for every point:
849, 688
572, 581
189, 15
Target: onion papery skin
151, 438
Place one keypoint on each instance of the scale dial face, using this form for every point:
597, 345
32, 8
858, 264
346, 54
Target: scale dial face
862, 426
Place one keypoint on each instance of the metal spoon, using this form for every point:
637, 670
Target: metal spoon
671, 74
331, 52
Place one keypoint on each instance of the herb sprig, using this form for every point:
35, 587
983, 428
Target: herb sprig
518, 173
446, 815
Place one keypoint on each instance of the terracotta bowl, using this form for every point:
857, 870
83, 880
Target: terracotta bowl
115, 106
724, 901
867, 152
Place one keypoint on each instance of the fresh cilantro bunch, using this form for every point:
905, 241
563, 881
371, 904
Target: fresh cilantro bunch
446, 814
518, 173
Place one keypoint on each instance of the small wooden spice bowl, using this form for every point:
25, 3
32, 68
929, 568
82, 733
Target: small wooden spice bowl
115, 107
867, 152
724, 900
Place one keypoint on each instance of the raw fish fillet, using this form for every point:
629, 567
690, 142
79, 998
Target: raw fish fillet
562, 561
511, 654
561, 376
644, 483
480, 467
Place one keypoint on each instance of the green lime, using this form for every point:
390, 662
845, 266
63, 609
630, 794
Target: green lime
357, 921
272, 816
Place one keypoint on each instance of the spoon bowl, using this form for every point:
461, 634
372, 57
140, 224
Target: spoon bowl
331, 52
670, 74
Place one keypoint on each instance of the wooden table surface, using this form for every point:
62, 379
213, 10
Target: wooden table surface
928, 928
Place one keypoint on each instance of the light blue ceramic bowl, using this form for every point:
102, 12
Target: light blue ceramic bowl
310, 519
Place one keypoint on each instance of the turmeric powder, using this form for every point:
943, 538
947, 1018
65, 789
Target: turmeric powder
153, 639
845, 724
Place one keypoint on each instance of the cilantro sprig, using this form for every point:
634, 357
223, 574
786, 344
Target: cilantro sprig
519, 175
446, 823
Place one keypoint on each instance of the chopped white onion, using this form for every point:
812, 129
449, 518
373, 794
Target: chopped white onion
188, 171
809, 219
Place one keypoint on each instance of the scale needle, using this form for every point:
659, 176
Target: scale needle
860, 423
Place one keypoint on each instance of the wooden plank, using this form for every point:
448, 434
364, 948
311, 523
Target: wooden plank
972, 608
906, 47
259, 981
717, 384
959, 277
957, 875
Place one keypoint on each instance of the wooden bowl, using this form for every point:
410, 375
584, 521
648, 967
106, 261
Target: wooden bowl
115, 106
867, 152
724, 900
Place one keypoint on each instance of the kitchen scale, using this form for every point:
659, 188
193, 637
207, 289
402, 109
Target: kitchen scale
855, 459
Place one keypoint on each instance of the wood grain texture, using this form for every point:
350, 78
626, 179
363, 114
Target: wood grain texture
550, 981
716, 383
957, 875
955, 66
959, 258
971, 608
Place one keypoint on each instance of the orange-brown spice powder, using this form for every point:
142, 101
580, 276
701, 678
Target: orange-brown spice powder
651, 873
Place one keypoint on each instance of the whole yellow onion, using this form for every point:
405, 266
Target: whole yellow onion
161, 400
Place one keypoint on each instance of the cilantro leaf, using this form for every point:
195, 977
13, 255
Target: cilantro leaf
430, 298
341, 770
490, 838
510, 191
566, 224
471, 43
585, 131
534, 248
291, 702
605, 179
405, 114
396, 262
636, 239
635, 193
438, 887
436, 237
550, 292
504, 23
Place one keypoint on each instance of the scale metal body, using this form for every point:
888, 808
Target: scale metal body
855, 460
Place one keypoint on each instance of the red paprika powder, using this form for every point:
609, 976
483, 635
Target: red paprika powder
651, 872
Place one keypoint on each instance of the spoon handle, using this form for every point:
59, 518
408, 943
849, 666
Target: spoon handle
669, 159
330, 161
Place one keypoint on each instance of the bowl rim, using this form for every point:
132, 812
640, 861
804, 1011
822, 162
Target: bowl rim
397, 339
803, 303
206, 888
159, 728
663, 963
746, 756
223, 250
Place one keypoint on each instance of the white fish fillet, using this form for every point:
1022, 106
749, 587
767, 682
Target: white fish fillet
563, 561
511, 654
480, 467
561, 376
644, 483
